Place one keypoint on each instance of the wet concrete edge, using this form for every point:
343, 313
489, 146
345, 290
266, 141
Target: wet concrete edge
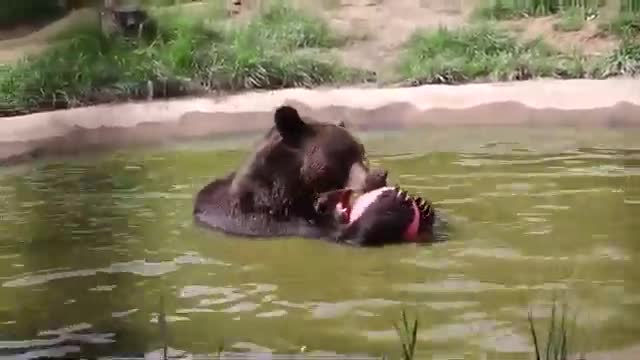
108, 127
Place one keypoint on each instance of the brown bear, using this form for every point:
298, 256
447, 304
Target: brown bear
274, 192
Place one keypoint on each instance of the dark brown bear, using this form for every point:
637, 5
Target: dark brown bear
273, 193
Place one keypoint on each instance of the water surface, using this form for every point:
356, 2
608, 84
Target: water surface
93, 248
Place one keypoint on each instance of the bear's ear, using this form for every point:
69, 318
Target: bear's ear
342, 124
289, 123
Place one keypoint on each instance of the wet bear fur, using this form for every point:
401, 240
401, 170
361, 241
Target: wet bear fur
273, 192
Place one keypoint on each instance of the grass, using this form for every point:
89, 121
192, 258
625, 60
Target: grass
630, 6
200, 50
624, 61
277, 49
16, 12
625, 25
513, 9
162, 2
572, 19
573, 13
557, 345
408, 333
482, 53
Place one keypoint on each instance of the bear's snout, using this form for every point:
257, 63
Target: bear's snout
363, 180
377, 178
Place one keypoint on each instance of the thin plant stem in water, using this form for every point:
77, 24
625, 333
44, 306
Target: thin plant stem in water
557, 346
162, 322
534, 335
408, 334
220, 350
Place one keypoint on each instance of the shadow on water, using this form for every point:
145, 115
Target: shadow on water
63, 224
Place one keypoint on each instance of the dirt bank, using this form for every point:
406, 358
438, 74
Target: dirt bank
605, 103
378, 28
17, 43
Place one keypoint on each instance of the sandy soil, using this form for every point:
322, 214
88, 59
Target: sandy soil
382, 26
378, 28
16, 43
590, 40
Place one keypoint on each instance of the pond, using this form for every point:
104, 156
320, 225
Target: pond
94, 248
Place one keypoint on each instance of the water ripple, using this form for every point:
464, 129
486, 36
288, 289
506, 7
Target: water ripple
451, 285
62, 336
168, 318
201, 290
335, 309
243, 306
120, 314
137, 267
597, 253
504, 340
508, 211
272, 314
52, 352
194, 310
559, 174
451, 305
451, 331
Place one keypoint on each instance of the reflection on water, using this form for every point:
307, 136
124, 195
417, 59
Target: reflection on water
90, 246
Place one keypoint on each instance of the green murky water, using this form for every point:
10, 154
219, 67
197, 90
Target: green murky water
91, 248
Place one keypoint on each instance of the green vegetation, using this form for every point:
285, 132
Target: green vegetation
274, 50
625, 25
630, 6
557, 345
573, 13
163, 2
15, 12
408, 333
482, 53
572, 19
624, 61
197, 49
511, 9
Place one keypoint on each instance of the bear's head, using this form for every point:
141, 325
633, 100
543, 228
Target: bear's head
298, 159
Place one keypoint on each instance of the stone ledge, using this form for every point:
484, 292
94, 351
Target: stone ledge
600, 103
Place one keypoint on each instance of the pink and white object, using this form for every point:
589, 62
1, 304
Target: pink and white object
352, 213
